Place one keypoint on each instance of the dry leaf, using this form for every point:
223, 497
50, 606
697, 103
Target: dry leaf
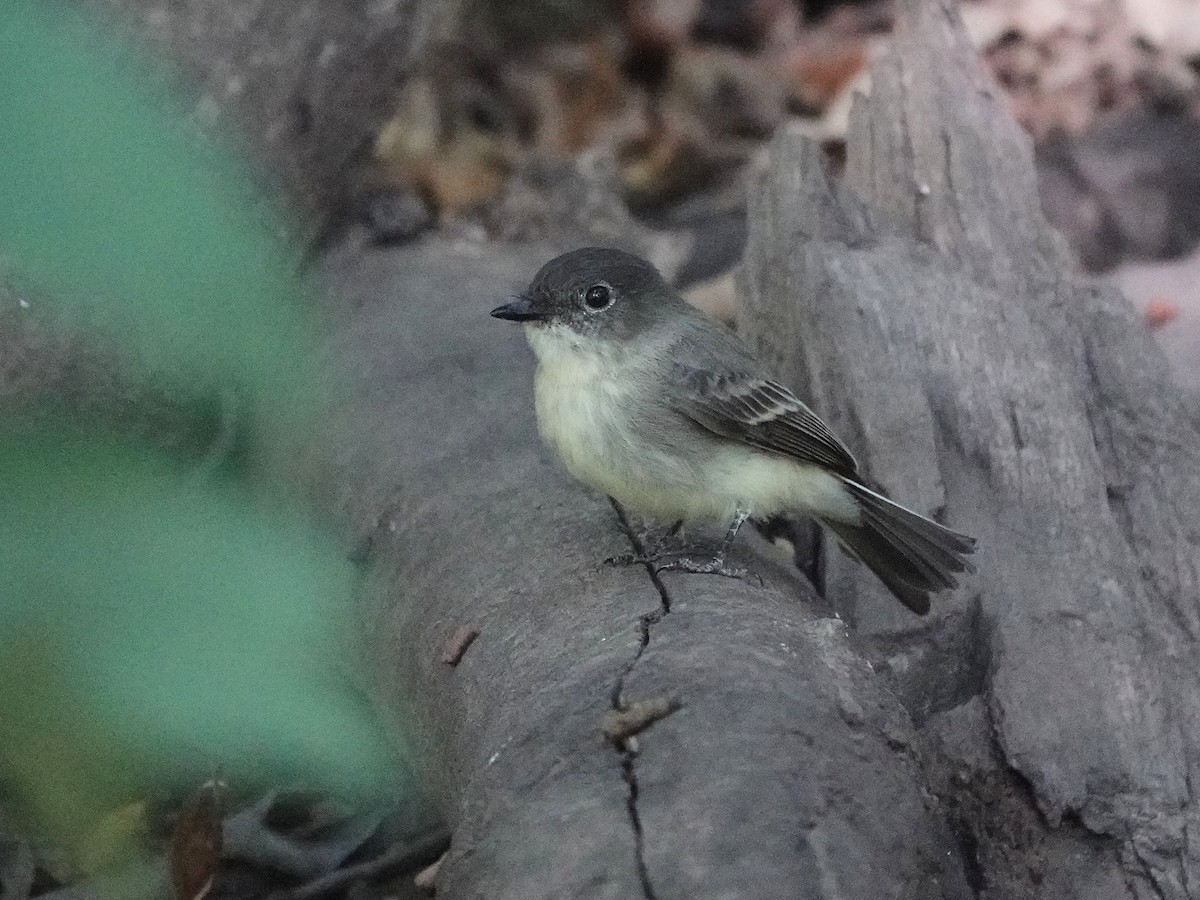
1160, 311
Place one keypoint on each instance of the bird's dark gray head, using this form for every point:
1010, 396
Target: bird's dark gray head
594, 290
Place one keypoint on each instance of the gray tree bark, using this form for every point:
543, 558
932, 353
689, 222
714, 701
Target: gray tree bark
930, 313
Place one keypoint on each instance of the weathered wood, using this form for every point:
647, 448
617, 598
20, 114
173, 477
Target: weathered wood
789, 769
929, 312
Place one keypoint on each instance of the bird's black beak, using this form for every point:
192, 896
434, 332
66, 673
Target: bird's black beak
519, 309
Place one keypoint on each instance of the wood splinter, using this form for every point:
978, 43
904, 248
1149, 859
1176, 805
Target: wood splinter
619, 725
456, 646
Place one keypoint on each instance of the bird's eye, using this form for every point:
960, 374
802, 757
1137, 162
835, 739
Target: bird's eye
598, 296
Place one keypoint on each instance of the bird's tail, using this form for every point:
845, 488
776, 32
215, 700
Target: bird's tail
912, 555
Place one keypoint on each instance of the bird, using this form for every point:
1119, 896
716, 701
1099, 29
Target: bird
667, 411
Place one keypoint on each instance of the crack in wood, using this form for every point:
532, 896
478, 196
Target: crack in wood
629, 753
635, 819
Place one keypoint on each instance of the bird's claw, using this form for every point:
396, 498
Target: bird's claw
652, 550
632, 559
715, 566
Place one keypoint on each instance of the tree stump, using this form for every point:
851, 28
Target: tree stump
933, 317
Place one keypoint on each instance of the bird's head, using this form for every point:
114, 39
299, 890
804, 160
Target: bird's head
594, 292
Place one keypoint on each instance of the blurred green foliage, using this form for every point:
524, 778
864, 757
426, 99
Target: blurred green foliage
159, 623
116, 201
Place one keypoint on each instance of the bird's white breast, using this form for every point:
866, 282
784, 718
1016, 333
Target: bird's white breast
582, 405
589, 410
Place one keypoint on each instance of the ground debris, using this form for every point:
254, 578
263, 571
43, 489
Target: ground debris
458, 644
619, 725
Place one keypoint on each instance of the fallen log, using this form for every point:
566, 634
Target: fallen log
778, 763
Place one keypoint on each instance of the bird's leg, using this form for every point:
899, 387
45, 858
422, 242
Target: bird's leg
716, 565
649, 549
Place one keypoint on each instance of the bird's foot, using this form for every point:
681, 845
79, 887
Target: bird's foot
714, 566
653, 552
648, 557
631, 559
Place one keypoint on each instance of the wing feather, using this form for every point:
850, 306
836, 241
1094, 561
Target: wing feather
763, 414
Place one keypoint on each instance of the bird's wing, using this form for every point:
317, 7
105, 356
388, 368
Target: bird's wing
763, 414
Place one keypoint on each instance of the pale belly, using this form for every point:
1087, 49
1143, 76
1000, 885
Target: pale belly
664, 469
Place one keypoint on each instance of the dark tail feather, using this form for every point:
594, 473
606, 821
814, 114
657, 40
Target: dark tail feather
912, 555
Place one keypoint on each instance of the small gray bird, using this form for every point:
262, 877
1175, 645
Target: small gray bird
666, 411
